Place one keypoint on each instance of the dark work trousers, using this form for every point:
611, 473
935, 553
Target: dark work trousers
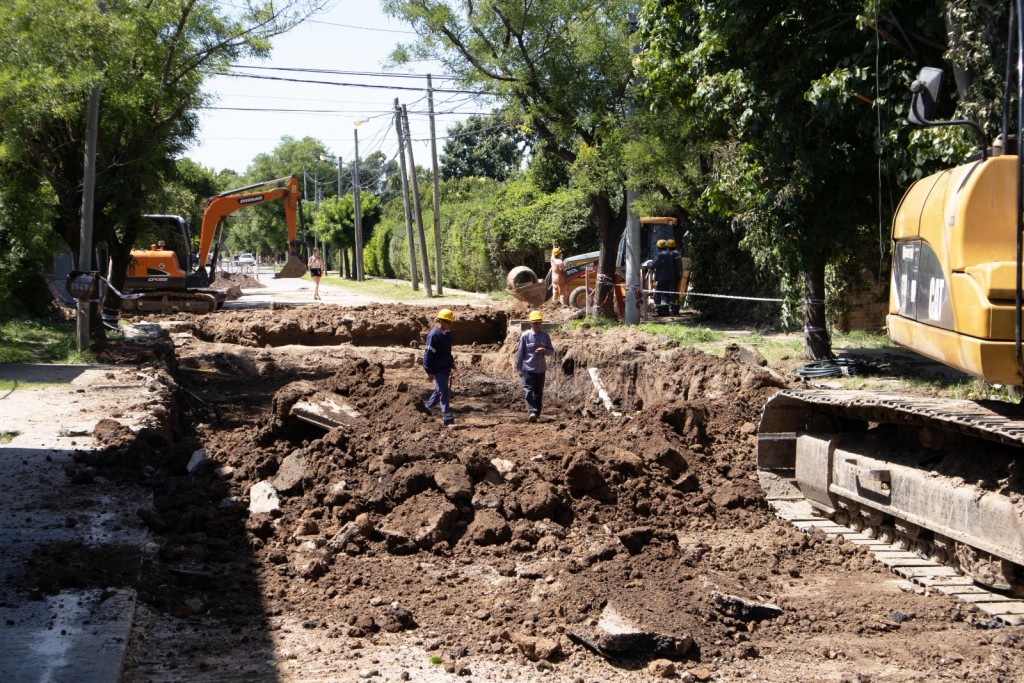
662, 298
442, 386
533, 386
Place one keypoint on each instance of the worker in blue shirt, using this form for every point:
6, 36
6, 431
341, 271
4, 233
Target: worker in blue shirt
439, 364
531, 360
665, 278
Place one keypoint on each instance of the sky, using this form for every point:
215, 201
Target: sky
353, 36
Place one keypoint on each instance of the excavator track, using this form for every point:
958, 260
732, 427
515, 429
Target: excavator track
935, 486
171, 302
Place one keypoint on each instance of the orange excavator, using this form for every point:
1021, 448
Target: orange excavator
156, 281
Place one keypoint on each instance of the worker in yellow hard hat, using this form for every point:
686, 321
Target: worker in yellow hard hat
559, 291
531, 361
439, 363
675, 299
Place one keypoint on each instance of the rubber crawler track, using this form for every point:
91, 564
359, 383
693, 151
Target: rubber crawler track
924, 572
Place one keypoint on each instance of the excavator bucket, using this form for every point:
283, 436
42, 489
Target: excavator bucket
295, 266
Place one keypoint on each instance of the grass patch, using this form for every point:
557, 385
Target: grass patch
435, 660
861, 339
37, 341
684, 334
6, 437
383, 289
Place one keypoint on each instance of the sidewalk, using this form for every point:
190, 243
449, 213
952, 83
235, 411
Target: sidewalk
60, 621
299, 291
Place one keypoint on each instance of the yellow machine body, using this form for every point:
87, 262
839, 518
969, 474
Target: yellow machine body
953, 287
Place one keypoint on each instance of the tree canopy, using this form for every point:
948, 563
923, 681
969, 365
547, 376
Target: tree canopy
482, 146
149, 61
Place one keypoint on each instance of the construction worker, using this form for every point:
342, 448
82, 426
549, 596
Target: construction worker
440, 364
677, 260
664, 279
558, 288
531, 360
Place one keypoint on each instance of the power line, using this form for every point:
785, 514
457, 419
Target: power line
373, 113
340, 72
350, 85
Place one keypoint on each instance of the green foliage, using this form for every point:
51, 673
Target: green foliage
788, 93
487, 228
26, 244
148, 62
560, 68
720, 266
483, 146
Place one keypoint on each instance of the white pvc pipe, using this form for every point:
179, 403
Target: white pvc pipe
602, 392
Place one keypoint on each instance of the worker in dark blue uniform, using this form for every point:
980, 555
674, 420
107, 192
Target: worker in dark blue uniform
439, 363
675, 301
664, 279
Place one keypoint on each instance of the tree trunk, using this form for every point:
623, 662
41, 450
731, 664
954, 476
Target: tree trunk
344, 262
611, 225
817, 343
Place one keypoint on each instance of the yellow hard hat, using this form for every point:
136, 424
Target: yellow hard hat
446, 314
556, 251
671, 244
536, 317
661, 244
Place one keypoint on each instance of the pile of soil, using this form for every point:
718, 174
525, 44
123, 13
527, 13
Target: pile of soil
505, 550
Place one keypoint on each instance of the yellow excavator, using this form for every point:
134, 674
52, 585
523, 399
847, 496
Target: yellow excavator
941, 477
156, 280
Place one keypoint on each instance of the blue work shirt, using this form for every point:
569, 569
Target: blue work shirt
437, 354
664, 268
527, 359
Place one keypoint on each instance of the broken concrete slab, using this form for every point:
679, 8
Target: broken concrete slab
291, 474
263, 498
199, 462
744, 609
618, 635
326, 410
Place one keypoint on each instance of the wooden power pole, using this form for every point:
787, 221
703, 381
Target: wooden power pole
424, 259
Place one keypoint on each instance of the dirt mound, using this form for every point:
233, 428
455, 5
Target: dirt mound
397, 325
240, 280
627, 524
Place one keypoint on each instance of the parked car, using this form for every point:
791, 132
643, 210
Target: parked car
246, 257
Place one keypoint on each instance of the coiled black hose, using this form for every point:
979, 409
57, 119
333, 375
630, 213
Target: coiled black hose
836, 367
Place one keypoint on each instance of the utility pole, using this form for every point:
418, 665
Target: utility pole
358, 212
405, 197
88, 208
424, 259
437, 192
634, 291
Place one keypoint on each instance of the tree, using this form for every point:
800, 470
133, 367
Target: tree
483, 146
792, 99
560, 67
150, 60
334, 223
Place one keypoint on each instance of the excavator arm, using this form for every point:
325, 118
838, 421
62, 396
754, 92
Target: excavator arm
223, 205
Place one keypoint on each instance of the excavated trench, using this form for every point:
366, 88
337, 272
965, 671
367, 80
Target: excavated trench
500, 546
